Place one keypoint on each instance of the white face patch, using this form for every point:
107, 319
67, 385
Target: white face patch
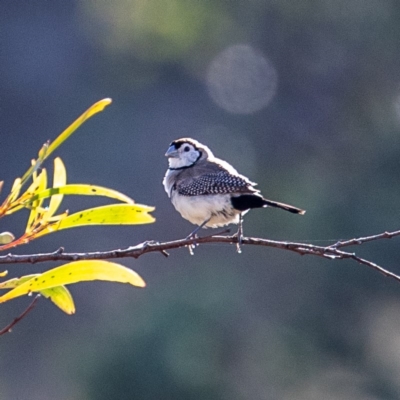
186, 155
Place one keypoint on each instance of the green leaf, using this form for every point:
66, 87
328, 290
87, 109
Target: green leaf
81, 189
76, 271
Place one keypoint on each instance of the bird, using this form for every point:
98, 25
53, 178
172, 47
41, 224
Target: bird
208, 191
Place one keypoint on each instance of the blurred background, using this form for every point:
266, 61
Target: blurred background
304, 98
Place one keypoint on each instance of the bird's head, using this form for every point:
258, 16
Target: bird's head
184, 153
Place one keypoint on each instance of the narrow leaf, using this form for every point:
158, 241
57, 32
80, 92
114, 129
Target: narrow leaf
14, 282
59, 179
82, 189
36, 164
47, 148
27, 194
114, 214
76, 271
59, 295
41, 183
95, 108
16, 188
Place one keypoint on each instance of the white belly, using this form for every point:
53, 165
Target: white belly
198, 209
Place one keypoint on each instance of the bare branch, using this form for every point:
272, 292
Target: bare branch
361, 240
8, 328
331, 252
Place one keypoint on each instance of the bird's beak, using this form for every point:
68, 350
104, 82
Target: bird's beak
172, 152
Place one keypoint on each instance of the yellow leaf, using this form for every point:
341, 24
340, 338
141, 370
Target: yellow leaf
35, 164
36, 183
27, 194
113, 214
43, 152
59, 295
59, 179
16, 188
76, 271
47, 148
81, 189
95, 108
14, 282
40, 184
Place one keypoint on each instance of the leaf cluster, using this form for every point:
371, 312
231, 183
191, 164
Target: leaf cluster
43, 202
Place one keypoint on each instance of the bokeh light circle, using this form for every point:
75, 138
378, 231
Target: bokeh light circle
241, 80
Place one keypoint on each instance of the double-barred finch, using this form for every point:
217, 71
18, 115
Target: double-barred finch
208, 191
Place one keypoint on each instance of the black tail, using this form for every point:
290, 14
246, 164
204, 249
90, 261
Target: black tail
247, 201
286, 207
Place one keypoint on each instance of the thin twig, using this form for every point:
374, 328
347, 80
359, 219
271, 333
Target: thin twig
331, 252
361, 240
8, 328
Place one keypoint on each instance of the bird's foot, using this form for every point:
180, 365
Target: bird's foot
193, 245
239, 235
239, 245
193, 235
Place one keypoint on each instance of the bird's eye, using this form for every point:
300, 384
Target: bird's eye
187, 148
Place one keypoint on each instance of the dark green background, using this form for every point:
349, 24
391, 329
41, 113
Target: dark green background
266, 324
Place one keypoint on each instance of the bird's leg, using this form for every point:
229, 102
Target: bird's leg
240, 234
193, 236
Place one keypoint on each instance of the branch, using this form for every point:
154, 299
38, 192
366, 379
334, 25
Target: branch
332, 252
7, 329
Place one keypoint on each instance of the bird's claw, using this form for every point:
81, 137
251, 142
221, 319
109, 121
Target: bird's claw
239, 242
193, 245
239, 235
191, 236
